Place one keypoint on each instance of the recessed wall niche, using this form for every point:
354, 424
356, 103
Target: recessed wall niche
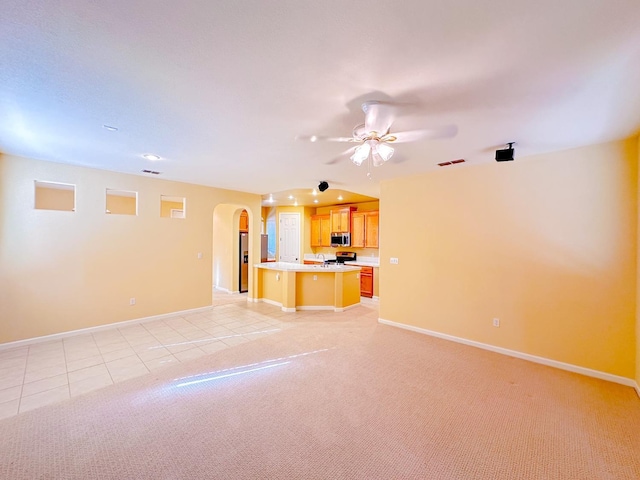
121, 202
173, 207
55, 196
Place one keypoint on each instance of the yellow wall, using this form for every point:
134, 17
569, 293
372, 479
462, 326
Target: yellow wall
547, 244
166, 207
120, 205
638, 294
54, 199
65, 272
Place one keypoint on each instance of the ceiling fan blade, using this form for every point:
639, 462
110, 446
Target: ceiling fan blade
378, 116
347, 153
318, 138
415, 135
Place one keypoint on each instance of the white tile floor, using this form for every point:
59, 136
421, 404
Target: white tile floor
44, 373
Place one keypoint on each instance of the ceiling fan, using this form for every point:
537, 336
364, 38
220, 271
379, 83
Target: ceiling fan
374, 138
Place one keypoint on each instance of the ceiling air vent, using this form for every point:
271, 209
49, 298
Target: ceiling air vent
452, 162
152, 172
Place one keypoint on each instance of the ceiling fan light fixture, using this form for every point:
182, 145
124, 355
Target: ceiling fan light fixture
361, 153
385, 151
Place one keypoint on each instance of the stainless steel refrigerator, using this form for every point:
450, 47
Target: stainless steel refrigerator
244, 262
264, 247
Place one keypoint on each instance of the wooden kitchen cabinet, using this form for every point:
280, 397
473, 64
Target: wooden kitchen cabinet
364, 229
320, 230
366, 282
341, 220
244, 221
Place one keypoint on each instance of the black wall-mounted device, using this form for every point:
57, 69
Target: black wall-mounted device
323, 186
505, 154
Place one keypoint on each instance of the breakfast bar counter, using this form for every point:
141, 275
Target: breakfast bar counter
294, 286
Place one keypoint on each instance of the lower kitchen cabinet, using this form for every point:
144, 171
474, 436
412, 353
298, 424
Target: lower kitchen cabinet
366, 282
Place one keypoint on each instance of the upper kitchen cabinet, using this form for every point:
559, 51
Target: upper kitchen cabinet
341, 220
364, 229
320, 230
244, 221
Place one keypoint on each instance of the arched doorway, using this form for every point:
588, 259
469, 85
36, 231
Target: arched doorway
228, 255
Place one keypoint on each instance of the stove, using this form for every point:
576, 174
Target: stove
342, 257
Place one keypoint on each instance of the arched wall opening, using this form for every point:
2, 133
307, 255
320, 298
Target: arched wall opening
226, 247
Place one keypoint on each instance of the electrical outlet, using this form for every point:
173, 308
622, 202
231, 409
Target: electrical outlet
315, 277
132, 301
199, 255
496, 322
393, 260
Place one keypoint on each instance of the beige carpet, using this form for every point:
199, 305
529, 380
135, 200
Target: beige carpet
337, 396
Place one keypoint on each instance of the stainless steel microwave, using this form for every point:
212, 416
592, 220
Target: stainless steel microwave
340, 239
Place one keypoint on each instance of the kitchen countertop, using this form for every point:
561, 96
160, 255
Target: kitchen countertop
365, 262
299, 267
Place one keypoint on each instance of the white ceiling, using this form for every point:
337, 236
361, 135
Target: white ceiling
221, 89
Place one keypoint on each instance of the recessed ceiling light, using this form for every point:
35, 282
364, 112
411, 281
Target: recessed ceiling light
313, 138
339, 197
270, 200
290, 197
151, 156
315, 201
295, 204
314, 192
110, 128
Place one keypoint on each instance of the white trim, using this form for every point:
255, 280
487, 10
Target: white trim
524, 356
226, 290
288, 310
348, 307
107, 326
637, 387
315, 307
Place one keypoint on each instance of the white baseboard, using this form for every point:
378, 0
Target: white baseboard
226, 290
637, 387
83, 331
524, 356
274, 303
312, 307
327, 307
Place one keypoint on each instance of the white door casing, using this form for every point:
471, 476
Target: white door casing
289, 248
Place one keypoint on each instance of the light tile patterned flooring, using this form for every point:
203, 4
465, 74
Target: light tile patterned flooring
44, 373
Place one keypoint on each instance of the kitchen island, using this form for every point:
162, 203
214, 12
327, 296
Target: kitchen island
294, 286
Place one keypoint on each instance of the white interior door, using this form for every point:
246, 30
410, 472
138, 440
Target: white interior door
289, 250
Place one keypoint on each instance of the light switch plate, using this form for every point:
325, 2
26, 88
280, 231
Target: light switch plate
393, 260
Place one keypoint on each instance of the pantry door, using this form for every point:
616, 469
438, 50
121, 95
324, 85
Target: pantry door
289, 235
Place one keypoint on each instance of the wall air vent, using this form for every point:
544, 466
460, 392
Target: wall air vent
152, 172
452, 162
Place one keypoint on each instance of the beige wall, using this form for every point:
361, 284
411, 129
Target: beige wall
547, 244
62, 271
